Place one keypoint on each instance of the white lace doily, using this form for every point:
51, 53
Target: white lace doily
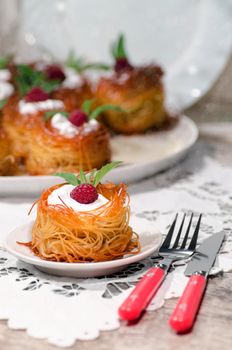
63, 310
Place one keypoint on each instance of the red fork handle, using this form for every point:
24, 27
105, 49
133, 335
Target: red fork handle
184, 314
142, 294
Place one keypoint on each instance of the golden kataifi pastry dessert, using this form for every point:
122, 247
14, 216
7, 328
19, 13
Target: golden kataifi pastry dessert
138, 91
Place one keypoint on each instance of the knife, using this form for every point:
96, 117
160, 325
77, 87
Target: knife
198, 268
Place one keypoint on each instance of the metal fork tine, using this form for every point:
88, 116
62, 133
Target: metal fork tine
187, 233
179, 233
167, 241
193, 242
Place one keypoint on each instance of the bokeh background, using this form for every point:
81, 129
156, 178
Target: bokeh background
191, 40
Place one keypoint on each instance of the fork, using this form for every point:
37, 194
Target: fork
146, 288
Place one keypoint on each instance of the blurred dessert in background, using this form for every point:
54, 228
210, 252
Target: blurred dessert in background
55, 115
136, 89
68, 142
8, 164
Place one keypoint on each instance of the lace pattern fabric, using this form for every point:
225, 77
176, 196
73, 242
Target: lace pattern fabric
63, 310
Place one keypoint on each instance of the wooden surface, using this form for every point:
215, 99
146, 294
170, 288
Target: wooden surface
213, 329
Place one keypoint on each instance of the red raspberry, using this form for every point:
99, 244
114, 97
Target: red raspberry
54, 72
77, 117
36, 94
121, 65
84, 194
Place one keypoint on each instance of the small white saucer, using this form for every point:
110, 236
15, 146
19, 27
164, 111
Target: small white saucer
150, 240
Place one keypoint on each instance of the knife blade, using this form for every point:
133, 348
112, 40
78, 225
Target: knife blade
184, 314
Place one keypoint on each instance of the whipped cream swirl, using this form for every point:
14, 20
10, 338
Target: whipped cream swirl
6, 90
5, 74
66, 128
72, 79
63, 194
34, 107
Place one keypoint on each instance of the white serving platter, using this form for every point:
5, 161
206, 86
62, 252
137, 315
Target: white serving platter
142, 156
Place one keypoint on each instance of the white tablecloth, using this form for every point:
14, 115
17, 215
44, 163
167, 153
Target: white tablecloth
63, 309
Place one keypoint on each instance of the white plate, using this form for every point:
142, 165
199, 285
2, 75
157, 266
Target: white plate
150, 239
192, 42
143, 156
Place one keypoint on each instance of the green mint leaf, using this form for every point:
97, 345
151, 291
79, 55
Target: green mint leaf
70, 178
27, 78
6, 60
118, 48
23, 68
23, 78
3, 102
65, 114
121, 53
86, 106
71, 58
27, 74
96, 66
79, 64
49, 114
3, 62
82, 177
74, 62
48, 85
94, 114
104, 170
90, 176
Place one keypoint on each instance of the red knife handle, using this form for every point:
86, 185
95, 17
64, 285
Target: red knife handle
142, 294
184, 314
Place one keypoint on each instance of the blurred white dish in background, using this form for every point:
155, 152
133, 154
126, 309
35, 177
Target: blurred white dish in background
143, 156
191, 40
